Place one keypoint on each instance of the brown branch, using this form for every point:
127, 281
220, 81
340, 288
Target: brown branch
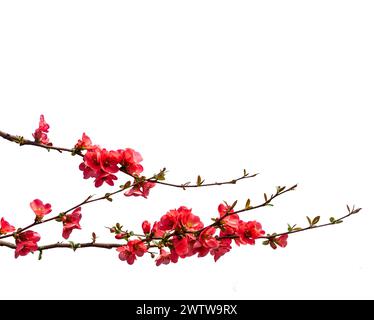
67, 245
275, 235
86, 201
22, 141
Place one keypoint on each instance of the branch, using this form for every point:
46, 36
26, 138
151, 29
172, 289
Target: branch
67, 245
22, 142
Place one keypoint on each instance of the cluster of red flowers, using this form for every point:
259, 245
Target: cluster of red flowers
183, 235
26, 241
102, 165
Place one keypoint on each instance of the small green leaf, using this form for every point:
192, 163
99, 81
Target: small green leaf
309, 221
126, 185
266, 242
332, 219
40, 255
248, 203
316, 220
245, 173
199, 181
233, 205
338, 221
74, 245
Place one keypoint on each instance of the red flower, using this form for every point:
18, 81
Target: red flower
40, 209
184, 247
138, 246
281, 241
223, 248
26, 242
189, 220
207, 238
5, 227
156, 231
71, 222
140, 189
87, 171
131, 250
129, 159
180, 246
109, 161
169, 221
146, 226
231, 222
84, 144
40, 134
126, 254
248, 232
166, 257
92, 159
105, 177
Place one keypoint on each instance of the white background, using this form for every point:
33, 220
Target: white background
284, 88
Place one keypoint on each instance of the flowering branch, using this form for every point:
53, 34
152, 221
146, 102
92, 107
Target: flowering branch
177, 235
155, 179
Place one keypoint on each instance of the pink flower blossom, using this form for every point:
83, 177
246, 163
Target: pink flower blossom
140, 189
130, 251
231, 222
105, 177
146, 226
223, 248
166, 257
40, 209
129, 160
207, 238
188, 220
281, 241
169, 221
109, 161
84, 144
6, 227
26, 242
40, 134
248, 232
71, 222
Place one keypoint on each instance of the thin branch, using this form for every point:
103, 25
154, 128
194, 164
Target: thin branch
22, 141
67, 245
86, 201
275, 235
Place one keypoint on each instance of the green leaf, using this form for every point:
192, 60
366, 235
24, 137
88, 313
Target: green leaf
332, 219
245, 173
233, 205
40, 255
126, 185
266, 242
309, 221
74, 245
248, 203
316, 220
199, 181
